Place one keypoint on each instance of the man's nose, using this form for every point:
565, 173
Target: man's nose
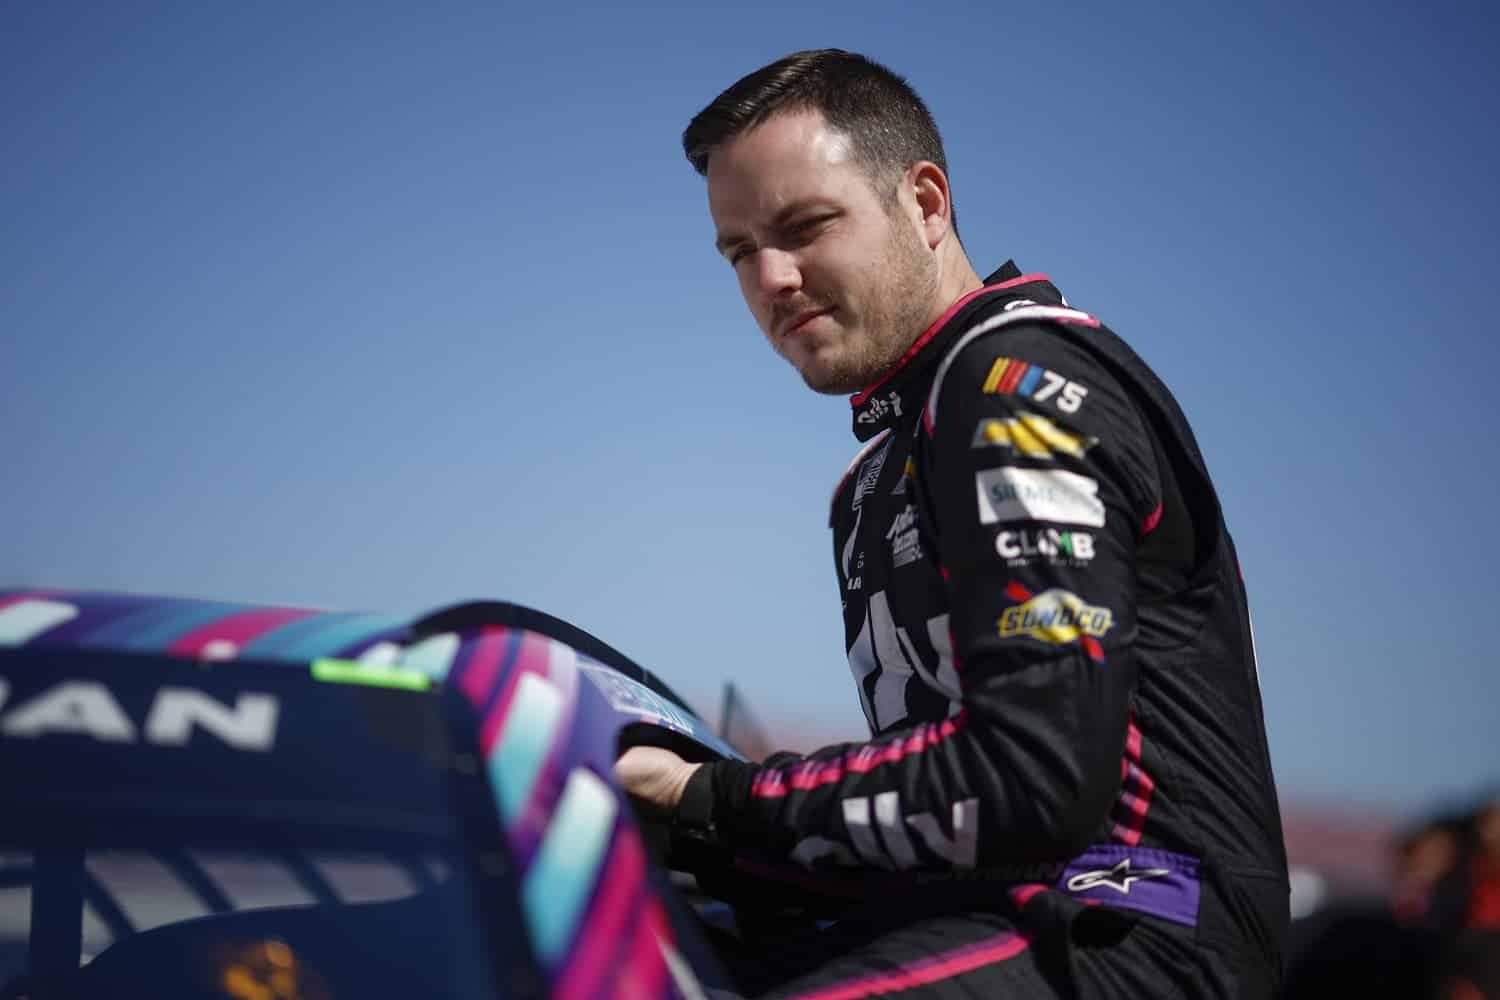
777, 272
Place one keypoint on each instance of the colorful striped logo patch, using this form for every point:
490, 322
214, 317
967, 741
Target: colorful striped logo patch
1011, 377
1006, 375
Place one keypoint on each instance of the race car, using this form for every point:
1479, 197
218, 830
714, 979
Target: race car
210, 800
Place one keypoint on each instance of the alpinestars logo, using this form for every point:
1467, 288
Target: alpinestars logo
1119, 878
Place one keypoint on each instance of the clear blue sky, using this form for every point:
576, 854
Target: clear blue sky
384, 306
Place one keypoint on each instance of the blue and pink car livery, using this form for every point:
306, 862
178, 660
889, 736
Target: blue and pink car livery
549, 703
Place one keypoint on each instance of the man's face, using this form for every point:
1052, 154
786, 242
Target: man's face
838, 276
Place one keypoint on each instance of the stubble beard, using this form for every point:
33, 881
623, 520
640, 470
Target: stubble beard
893, 317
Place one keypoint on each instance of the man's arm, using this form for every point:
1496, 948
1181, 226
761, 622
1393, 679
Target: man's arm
1041, 481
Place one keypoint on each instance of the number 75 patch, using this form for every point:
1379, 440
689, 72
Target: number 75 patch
1021, 378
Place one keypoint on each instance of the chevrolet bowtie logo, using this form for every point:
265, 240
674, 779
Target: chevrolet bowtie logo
1117, 878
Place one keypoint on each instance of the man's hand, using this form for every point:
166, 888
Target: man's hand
654, 776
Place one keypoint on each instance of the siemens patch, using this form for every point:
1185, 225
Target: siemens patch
1007, 494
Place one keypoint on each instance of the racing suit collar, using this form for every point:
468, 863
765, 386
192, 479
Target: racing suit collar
901, 390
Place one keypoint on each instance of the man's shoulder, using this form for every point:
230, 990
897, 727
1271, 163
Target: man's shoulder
1063, 363
1047, 354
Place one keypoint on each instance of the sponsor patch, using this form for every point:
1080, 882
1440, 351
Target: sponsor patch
869, 474
1021, 378
1030, 434
878, 406
1009, 494
865, 478
1057, 617
1056, 545
906, 546
1120, 877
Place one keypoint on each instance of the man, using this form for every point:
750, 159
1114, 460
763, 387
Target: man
1043, 610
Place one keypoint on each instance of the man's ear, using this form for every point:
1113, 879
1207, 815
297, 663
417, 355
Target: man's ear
929, 186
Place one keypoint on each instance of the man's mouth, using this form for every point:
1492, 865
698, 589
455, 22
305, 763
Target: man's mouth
801, 319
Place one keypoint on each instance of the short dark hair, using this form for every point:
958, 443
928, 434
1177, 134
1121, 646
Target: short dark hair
887, 122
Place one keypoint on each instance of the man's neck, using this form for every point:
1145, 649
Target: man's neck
957, 279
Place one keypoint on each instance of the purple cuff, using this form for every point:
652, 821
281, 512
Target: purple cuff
1144, 879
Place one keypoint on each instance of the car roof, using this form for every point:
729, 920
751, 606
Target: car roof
188, 628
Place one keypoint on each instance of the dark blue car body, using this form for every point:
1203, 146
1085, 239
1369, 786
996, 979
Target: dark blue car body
434, 798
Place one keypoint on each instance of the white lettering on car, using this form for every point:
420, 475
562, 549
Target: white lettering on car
250, 725
86, 708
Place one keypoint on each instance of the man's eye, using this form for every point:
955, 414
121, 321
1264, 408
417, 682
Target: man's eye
737, 254
811, 224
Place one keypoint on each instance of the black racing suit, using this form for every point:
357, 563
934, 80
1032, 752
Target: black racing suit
1047, 625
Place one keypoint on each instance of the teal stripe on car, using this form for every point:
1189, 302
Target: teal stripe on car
525, 737
318, 636
557, 888
433, 656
